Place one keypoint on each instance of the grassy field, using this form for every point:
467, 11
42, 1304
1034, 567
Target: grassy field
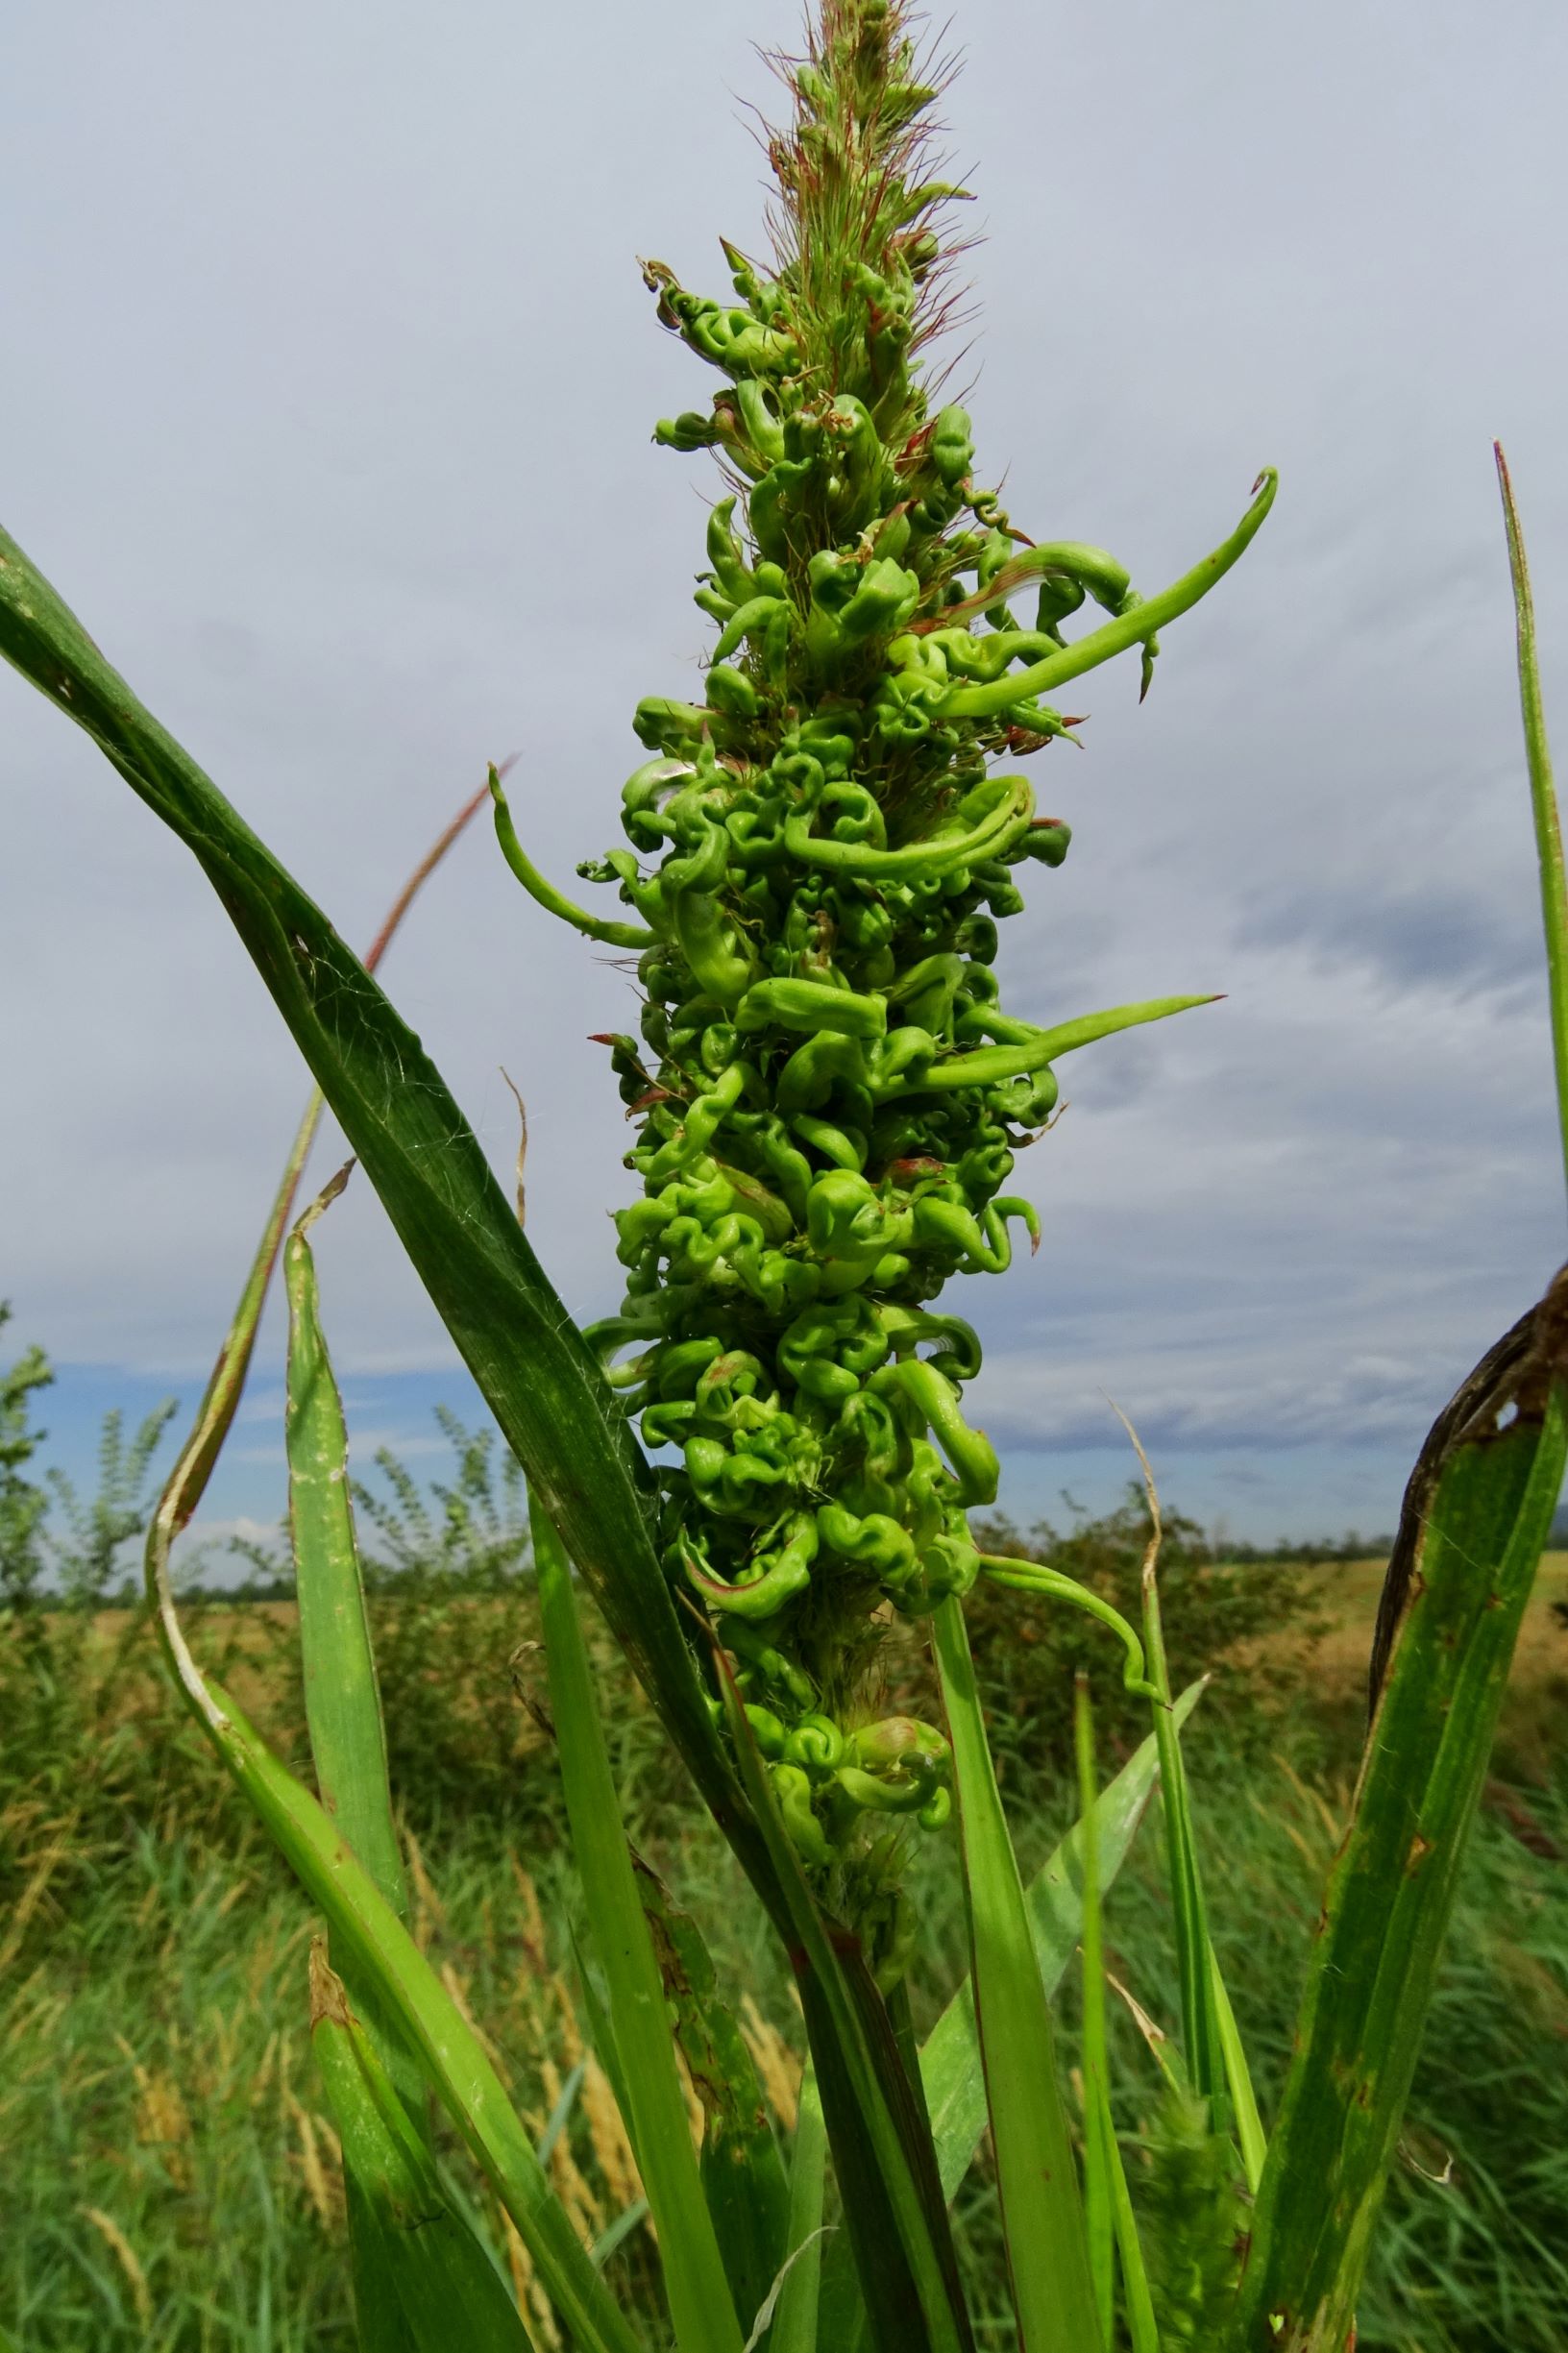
172, 2182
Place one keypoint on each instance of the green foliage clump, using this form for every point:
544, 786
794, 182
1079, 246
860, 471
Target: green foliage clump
450, 1592
89, 1739
23, 1504
88, 1558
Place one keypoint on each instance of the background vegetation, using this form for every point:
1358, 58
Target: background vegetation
172, 2179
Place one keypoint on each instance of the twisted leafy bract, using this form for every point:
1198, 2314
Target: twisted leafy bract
831, 1094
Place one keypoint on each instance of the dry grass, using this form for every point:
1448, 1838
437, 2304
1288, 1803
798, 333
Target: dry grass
1327, 1664
1333, 1655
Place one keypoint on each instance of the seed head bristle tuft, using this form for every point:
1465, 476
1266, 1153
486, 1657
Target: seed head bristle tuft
859, 226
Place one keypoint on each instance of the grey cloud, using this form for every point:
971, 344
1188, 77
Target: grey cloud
1406, 940
329, 411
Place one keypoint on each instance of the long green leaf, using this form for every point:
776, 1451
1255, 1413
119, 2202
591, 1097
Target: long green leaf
951, 2062
446, 2289
1476, 1513
530, 1363
1037, 2180
381, 2321
1200, 2025
381, 1954
374, 1943
1194, 1962
348, 1747
1214, 2054
1251, 2139
1142, 2328
892, 2209
1543, 798
614, 2233
700, 2307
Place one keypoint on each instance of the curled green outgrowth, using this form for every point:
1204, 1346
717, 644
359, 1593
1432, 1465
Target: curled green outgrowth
1051, 1586
820, 850
1131, 629
553, 902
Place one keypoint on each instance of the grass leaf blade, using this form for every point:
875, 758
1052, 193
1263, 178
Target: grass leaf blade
383, 1955
1251, 2137
1036, 2178
445, 2286
348, 1748
700, 2306
343, 1708
1195, 1956
1099, 2140
1110, 2209
1476, 1513
950, 2063
795, 2316
742, 2174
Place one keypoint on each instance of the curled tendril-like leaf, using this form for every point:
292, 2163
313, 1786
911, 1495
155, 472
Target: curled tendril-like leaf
1034, 1577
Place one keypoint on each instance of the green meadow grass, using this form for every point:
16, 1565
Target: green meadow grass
173, 2183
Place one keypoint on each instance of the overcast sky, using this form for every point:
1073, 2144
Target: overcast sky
327, 398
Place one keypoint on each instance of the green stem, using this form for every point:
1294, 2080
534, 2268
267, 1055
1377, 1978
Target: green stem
1250, 2136
1053, 1585
1543, 798
1200, 2028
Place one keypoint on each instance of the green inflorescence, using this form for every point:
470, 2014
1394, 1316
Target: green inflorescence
819, 855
